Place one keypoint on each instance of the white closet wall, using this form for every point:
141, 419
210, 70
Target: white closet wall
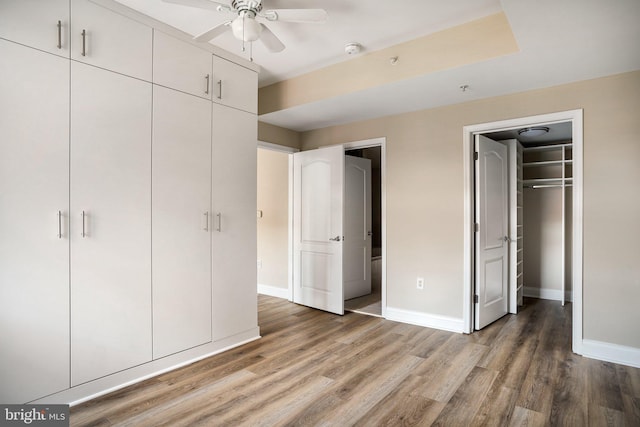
111, 266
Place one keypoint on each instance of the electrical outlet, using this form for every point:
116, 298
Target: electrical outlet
420, 283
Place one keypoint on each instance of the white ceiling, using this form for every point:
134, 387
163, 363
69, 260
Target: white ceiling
559, 41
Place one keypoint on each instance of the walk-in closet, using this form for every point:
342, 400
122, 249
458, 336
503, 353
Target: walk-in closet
540, 164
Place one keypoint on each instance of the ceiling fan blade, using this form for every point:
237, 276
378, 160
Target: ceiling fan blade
270, 40
296, 15
201, 4
213, 33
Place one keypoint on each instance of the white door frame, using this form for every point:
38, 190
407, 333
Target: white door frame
367, 143
575, 117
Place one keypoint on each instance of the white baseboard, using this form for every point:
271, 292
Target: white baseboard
615, 353
550, 294
273, 291
435, 321
101, 386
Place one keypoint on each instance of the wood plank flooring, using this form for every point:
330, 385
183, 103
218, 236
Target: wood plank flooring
314, 368
368, 304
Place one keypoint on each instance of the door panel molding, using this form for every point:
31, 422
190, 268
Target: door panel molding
318, 216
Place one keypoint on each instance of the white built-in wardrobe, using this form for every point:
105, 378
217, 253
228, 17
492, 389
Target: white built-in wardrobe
127, 199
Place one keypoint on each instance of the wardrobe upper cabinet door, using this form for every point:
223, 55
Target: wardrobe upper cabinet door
43, 24
34, 242
110, 222
109, 40
182, 66
234, 85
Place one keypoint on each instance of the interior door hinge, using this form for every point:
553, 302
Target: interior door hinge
475, 155
476, 227
475, 299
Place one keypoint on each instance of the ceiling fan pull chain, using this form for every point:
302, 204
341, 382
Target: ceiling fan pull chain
243, 32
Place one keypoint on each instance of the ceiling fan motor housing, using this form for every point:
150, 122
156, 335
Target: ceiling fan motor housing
247, 5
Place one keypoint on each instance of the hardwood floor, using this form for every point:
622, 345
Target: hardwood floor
369, 304
315, 368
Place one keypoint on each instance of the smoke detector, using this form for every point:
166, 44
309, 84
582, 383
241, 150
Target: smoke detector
352, 48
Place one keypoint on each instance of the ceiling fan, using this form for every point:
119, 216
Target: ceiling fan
245, 27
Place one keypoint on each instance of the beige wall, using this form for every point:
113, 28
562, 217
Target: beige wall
542, 234
273, 201
425, 197
278, 135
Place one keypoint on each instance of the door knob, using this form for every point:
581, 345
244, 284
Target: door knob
335, 239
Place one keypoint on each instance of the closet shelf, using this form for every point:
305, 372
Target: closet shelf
548, 147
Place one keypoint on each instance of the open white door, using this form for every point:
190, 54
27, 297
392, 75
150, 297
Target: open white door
318, 198
492, 231
357, 227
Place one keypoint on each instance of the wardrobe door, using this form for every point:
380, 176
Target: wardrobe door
42, 24
109, 40
181, 221
180, 65
34, 238
234, 210
110, 222
234, 85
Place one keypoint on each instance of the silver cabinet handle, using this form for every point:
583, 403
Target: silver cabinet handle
206, 88
84, 43
206, 221
335, 239
219, 94
219, 222
59, 224
59, 34
84, 234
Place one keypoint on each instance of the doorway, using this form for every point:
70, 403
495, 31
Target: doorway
318, 242
368, 300
574, 118
273, 219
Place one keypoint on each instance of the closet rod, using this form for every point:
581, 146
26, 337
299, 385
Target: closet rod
547, 186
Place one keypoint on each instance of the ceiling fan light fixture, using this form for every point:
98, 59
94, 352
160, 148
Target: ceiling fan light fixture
533, 131
246, 28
